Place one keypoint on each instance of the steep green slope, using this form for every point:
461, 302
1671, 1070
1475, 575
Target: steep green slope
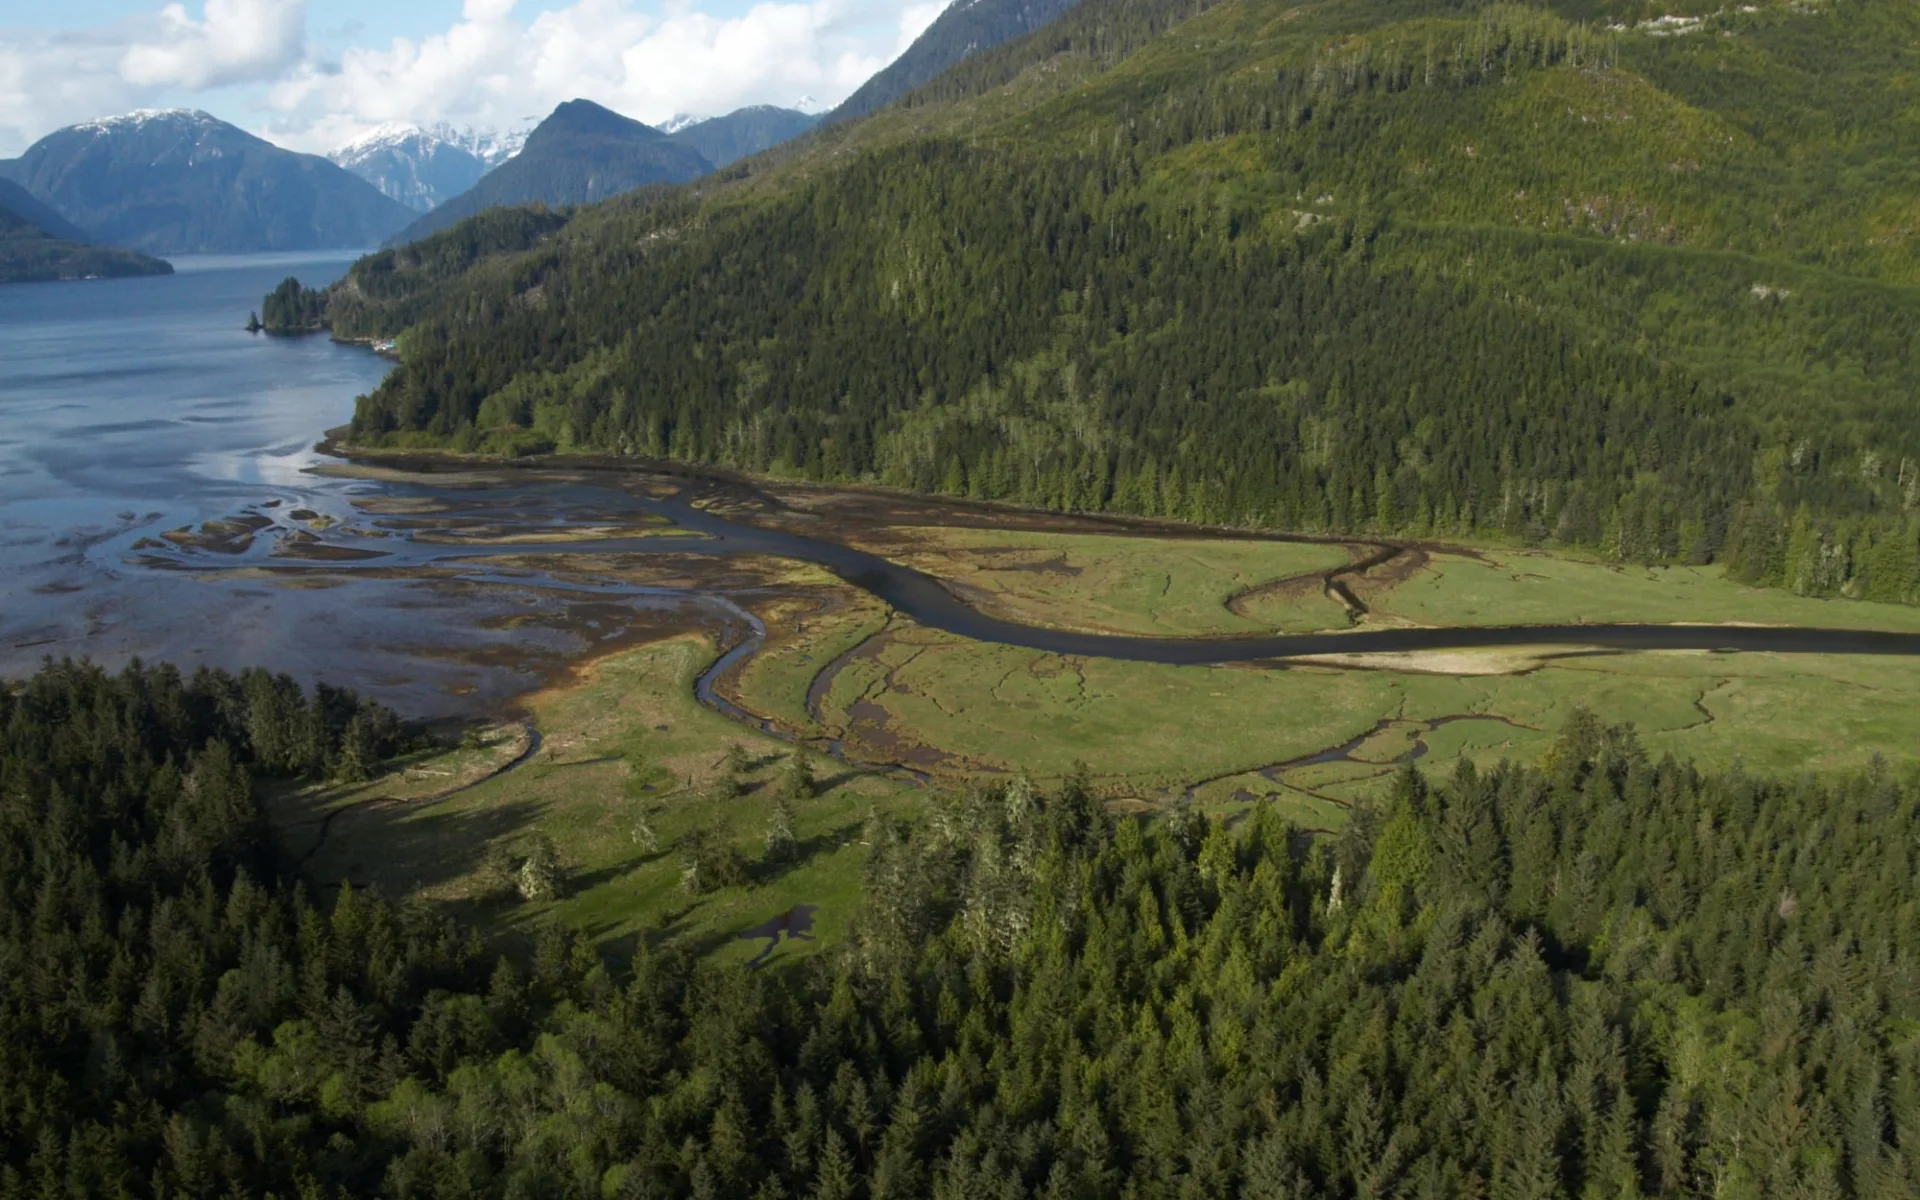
398, 286
1393, 264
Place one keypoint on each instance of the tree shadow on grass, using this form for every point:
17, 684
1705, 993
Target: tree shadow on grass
764, 872
827, 783
582, 881
774, 929
400, 849
623, 945
403, 848
679, 926
674, 930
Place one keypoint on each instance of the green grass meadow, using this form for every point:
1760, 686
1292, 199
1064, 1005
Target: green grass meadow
580, 791
1521, 588
626, 735
1115, 583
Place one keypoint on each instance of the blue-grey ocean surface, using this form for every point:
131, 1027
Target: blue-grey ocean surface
148, 395
130, 408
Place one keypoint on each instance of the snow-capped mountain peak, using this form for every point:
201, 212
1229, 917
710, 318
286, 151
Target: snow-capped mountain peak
142, 117
491, 146
677, 122
380, 137
808, 105
423, 166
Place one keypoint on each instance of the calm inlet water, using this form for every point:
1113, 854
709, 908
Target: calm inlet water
146, 394
129, 408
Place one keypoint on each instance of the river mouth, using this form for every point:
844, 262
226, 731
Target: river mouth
692, 515
450, 589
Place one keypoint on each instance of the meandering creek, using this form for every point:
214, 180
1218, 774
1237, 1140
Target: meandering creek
678, 527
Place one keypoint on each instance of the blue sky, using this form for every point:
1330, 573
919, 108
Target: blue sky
405, 19
312, 74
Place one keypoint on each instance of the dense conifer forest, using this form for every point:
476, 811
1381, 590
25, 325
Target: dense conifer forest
1550, 274
1598, 975
290, 308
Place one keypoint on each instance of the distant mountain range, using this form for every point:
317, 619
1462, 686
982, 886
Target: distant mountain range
743, 132
181, 181
37, 244
424, 166
586, 153
580, 154
966, 27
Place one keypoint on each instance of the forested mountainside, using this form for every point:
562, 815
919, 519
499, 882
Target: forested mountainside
1592, 274
400, 285
1602, 975
26, 258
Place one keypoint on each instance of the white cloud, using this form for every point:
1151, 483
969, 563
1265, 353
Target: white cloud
51, 80
237, 41
492, 68
500, 64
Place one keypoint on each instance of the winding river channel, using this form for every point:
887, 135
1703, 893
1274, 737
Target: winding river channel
930, 603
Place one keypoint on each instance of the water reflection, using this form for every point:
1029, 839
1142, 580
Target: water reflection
134, 409
794, 924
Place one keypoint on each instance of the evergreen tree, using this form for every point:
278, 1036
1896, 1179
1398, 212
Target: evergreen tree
539, 875
782, 845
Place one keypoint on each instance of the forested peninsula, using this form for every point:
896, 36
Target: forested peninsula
1580, 275
37, 246
26, 257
